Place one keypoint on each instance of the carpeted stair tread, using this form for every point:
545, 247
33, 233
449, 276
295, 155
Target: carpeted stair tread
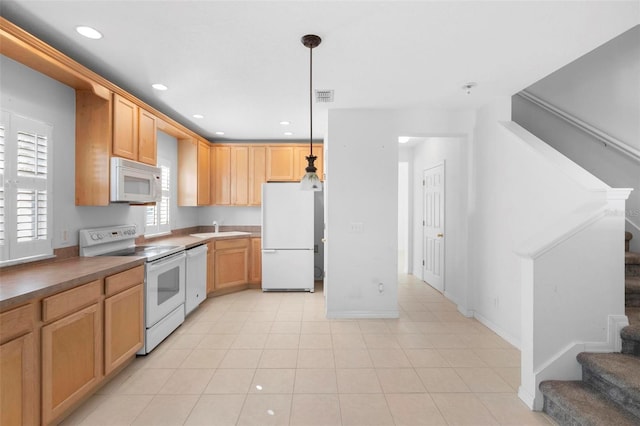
632, 285
577, 403
631, 258
631, 332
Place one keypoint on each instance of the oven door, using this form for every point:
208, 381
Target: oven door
165, 286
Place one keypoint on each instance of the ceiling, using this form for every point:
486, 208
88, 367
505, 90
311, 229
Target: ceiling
242, 66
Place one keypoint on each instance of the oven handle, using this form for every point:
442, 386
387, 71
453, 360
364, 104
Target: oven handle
165, 260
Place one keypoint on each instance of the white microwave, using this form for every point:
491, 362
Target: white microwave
133, 182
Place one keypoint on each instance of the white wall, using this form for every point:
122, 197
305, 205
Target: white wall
600, 88
515, 194
361, 193
452, 151
34, 95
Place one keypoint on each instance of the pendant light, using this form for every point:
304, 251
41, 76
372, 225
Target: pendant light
310, 181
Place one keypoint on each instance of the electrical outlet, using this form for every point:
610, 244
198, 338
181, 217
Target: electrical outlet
64, 235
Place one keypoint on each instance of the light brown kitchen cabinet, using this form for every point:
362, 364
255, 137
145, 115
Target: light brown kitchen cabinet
123, 317
210, 267
255, 269
280, 163
18, 367
221, 161
204, 173
239, 180
231, 262
134, 131
72, 347
257, 173
194, 172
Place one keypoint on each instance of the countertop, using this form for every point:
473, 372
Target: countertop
20, 285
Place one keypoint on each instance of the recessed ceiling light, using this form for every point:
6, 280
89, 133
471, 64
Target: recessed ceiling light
159, 86
219, 133
89, 32
198, 116
403, 139
285, 123
288, 133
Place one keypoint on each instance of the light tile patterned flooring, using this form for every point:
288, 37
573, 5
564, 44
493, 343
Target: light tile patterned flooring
254, 358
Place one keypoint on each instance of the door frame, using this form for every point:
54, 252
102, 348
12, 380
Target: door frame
444, 221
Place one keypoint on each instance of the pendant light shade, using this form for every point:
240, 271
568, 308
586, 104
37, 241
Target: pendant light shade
310, 181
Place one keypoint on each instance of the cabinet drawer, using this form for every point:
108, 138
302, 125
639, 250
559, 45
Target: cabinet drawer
230, 244
71, 300
16, 322
122, 281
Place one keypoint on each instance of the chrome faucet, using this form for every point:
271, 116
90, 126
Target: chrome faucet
215, 226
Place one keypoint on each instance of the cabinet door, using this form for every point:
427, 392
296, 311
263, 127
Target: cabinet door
280, 163
71, 360
222, 175
204, 174
231, 262
257, 173
147, 143
123, 327
187, 172
18, 381
125, 128
240, 175
255, 271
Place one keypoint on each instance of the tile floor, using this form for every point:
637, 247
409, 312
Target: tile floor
254, 358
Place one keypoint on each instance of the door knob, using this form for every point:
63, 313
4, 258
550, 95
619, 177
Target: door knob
440, 235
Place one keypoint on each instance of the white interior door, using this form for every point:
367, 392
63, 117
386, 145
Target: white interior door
433, 226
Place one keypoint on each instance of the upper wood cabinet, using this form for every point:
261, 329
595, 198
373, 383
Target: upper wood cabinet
194, 172
280, 163
221, 164
287, 163
239, 176
257, 173
134, 131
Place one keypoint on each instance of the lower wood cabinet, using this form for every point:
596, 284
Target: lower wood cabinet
71, 359
210, 268
123, 327
18, 368
231, 262
255, 270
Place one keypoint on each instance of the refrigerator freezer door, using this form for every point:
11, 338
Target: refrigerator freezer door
287, 270
287, 216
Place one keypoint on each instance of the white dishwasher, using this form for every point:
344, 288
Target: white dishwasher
196, 277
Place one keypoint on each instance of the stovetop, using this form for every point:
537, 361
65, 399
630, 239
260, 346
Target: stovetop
119, 240
150, 252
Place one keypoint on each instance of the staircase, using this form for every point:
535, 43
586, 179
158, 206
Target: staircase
609, 392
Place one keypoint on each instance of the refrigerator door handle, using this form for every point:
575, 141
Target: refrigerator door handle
269, 251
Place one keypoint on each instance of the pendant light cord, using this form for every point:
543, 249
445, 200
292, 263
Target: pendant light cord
311, 101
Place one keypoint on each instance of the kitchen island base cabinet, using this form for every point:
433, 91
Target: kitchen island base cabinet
71, 360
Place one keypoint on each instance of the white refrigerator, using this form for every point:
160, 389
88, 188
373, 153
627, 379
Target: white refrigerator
287, 237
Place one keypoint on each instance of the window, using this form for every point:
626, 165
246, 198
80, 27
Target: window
157, 218
25, 187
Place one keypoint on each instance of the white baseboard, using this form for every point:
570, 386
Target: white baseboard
499, 331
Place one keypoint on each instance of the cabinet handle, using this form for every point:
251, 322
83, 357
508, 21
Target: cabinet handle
440, 235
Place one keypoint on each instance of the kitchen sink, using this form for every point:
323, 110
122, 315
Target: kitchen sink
220, 234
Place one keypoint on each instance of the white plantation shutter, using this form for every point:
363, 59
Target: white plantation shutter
3, 254
158, 216
26, 191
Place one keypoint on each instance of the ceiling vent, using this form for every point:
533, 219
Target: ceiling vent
324, 96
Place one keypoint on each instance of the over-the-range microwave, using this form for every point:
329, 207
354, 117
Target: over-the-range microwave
133, 182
